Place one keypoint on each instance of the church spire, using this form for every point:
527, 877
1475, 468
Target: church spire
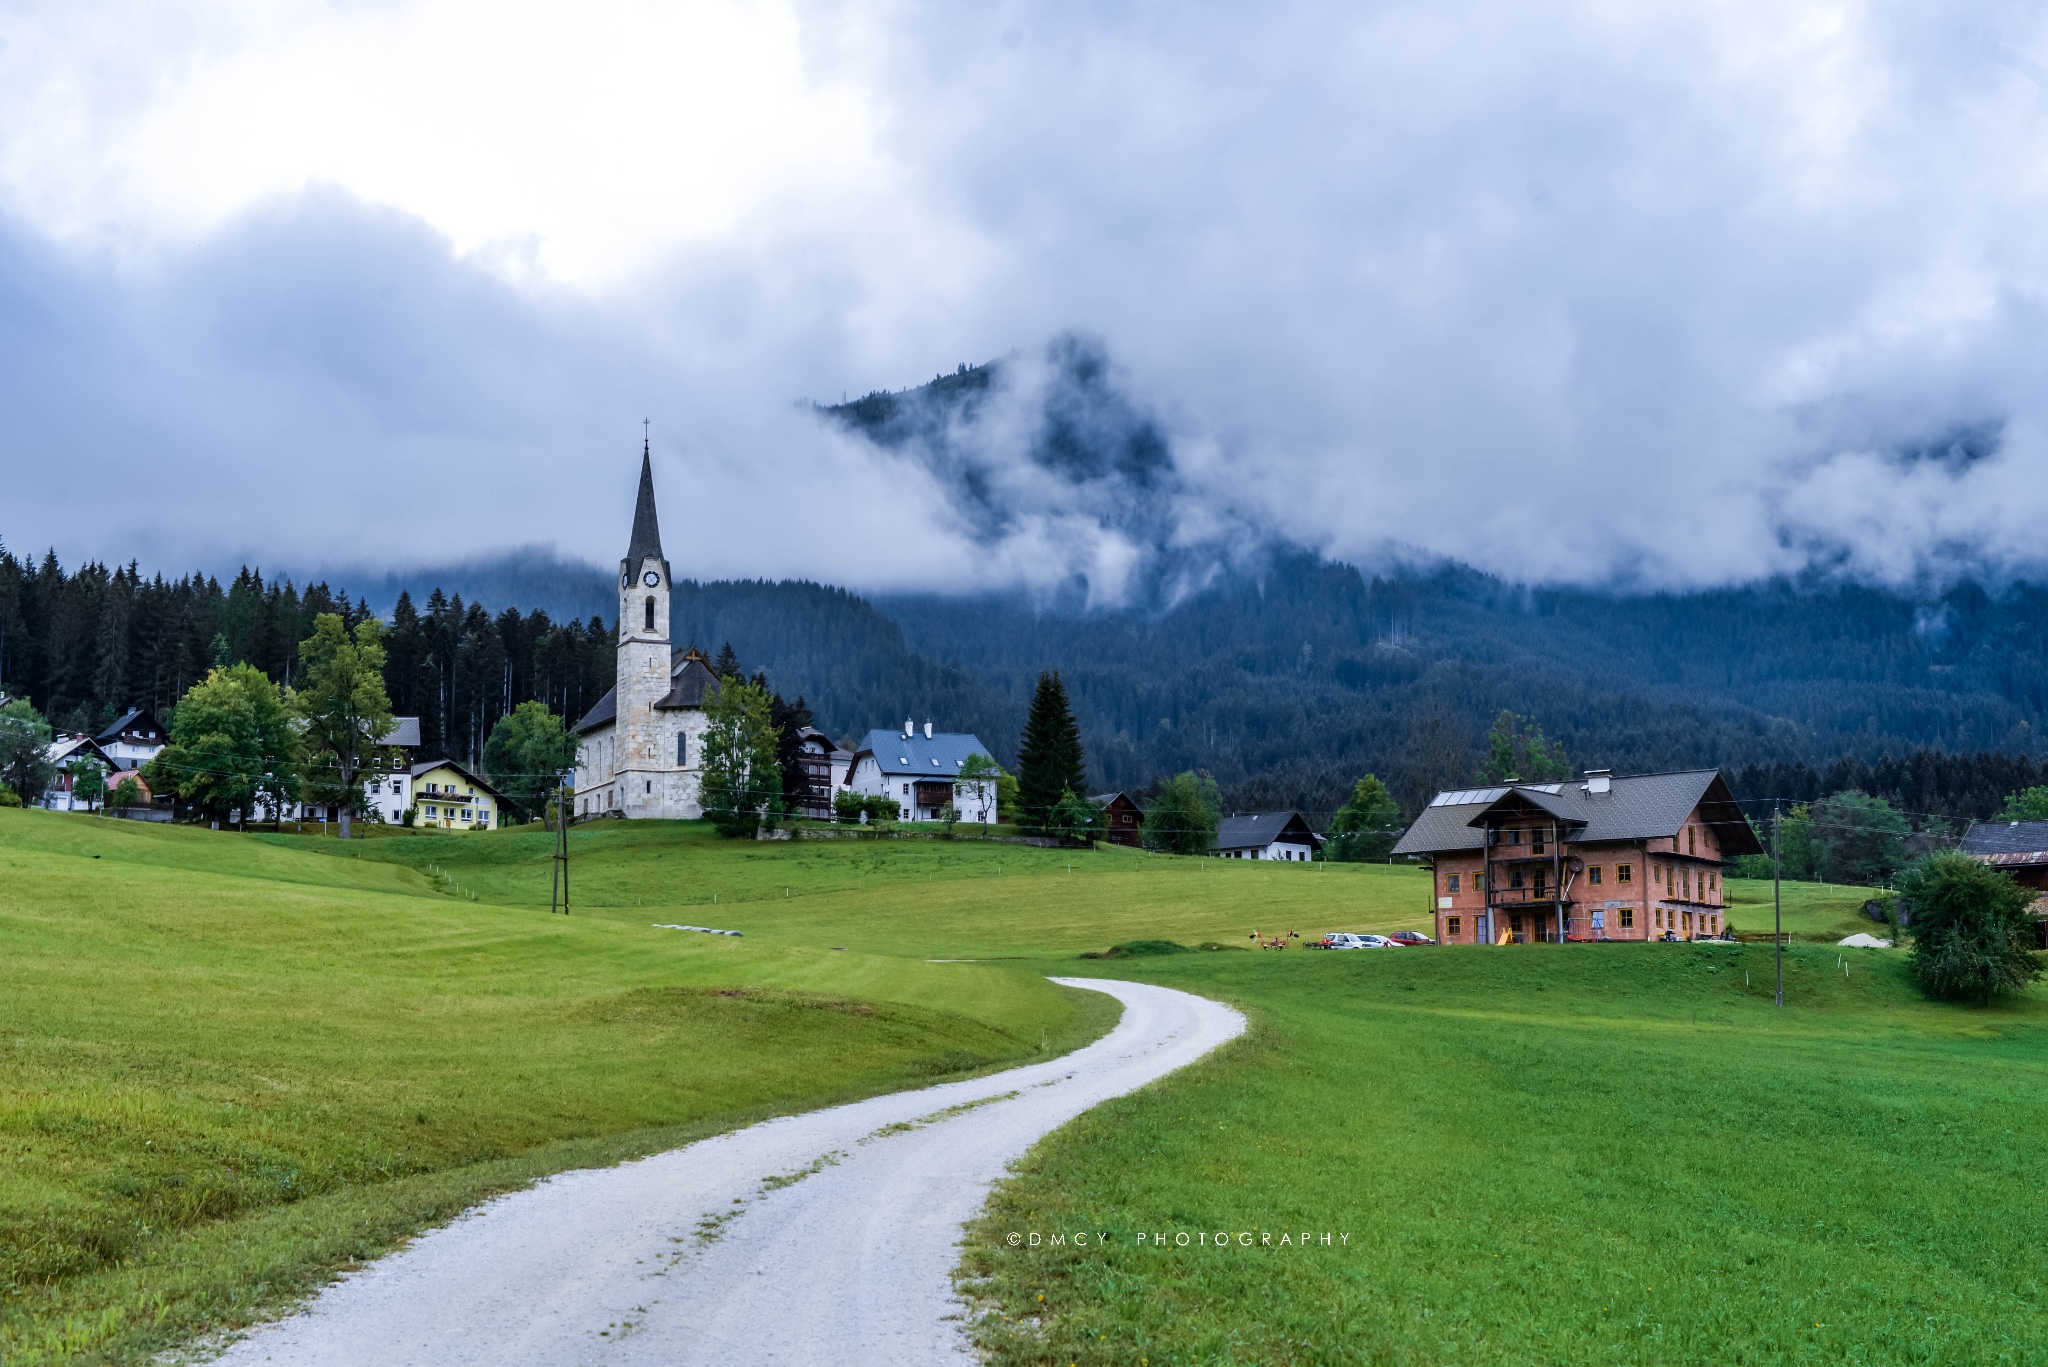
646, 528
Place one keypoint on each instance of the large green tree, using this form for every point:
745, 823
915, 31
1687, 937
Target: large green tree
527, 751
742, 785
1973, 934
1517, 751
1050, 761
1858, 838
25, 763
344, 711
233, 745
1183, 815
1366, 826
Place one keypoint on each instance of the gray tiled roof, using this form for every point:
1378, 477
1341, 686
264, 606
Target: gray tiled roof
603, 712
694, 683
1260, 829
1636, 807
404, 731
418, 769
938, 757
2005, 837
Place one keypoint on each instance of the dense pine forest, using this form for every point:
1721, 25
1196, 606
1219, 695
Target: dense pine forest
1285, 684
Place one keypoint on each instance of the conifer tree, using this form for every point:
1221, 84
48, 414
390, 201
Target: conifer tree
1050, 761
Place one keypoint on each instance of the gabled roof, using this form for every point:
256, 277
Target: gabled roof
125, 721
419, 770
72, 748
1635, 807
404, 731
692, 682
1104, 799
2005, 837
1260, 829
938, 756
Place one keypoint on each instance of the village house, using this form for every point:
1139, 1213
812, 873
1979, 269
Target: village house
1123, 820
133, 739
922, 773
69, 753
447, 795
824, 767
1607, 858
1266, 835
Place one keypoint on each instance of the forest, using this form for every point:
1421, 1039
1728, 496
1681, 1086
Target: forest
1285, 684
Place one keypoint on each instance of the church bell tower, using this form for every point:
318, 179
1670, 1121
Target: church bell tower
643, 653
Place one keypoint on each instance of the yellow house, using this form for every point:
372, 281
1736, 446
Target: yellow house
447, 795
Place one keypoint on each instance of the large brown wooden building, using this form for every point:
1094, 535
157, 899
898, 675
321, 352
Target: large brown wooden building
1602, 859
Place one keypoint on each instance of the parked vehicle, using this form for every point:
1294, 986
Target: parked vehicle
1412, 937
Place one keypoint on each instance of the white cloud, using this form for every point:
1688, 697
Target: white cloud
1579, 291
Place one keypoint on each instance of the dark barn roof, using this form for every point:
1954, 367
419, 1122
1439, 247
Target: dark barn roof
2007, 841
1260, 829
1635, 807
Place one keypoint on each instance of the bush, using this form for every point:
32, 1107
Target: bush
9, 798
127, 793
1973, 934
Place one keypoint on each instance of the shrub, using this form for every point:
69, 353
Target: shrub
1972, 930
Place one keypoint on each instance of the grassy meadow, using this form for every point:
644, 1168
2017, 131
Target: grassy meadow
235, 1062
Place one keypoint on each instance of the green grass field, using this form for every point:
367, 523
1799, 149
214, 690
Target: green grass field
235, 1062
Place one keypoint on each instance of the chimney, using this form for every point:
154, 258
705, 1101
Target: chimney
909, 730
927, 728
1598, 781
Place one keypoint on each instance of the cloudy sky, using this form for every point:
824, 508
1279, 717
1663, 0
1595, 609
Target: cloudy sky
1652, 295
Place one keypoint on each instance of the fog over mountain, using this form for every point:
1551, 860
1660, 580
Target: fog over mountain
1570, 293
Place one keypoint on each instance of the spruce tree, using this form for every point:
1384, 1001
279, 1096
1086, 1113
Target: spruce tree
1049, 762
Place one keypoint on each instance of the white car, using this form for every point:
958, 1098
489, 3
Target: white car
1344, 939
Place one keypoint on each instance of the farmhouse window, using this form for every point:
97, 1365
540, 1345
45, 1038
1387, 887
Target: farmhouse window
1692, 842
1628, 918
1453, 926
431, 811
1624, 873
1451, 883
1541, 876
1479, 882
1514, 878
1593, 875
1536, 842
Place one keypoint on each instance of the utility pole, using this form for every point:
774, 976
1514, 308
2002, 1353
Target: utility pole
1777, 903
559, 899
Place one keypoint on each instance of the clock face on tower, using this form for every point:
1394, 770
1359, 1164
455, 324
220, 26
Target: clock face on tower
651, 578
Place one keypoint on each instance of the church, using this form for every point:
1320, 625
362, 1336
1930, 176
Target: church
643, 743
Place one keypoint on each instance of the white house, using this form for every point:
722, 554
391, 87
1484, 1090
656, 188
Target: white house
1266, 835
922, 772
65, 752
386, 796
133, 740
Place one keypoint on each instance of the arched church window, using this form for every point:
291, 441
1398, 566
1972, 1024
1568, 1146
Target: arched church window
650, 612
682, 748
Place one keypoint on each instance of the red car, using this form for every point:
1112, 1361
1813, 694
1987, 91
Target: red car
1411, 937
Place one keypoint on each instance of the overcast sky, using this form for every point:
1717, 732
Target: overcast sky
1654, 295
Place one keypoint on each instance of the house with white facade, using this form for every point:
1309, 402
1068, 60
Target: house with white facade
68, 753
921, 770
133, 740
1266, 835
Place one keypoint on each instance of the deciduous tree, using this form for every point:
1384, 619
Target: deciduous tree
1183, 815
742, 784
233, 745
528, 749
25, 752
344, 710
1973, 938
1366, 826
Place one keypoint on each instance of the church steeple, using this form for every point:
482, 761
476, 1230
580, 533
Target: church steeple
646, 542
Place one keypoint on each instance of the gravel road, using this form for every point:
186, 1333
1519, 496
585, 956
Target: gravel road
814, 1239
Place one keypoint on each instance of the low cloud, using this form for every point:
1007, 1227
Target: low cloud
1575, 294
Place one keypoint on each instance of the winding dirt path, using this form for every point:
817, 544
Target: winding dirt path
819, 1238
